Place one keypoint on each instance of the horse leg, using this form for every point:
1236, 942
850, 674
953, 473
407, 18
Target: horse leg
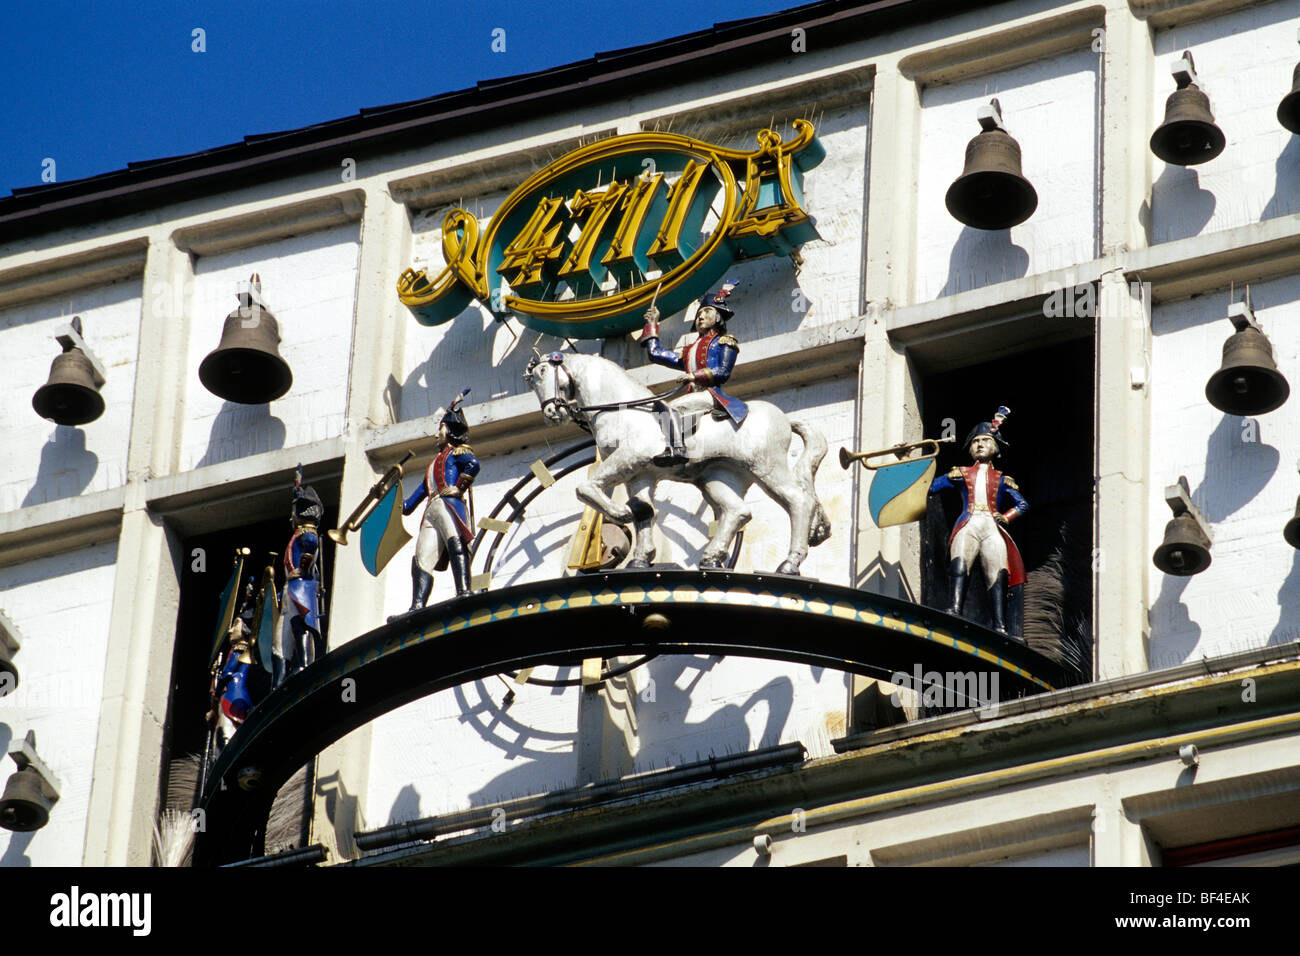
785, 489
641, 503
615, 470
730, 512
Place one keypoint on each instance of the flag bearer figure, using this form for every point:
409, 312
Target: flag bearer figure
706, 364
446, 529
300, 631
231, 694
981, 531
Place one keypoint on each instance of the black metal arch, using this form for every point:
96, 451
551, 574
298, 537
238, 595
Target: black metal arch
565, 620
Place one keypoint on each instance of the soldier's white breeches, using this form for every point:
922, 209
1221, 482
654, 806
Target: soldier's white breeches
980, 538
436, 528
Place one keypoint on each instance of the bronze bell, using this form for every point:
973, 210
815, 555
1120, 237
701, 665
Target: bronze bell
1292, 530
1247, 382
991, 192
1185, 549
246, 366
24, 805
1288, 111
70, 396
1188, 136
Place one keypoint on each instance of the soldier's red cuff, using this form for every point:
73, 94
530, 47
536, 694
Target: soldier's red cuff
702, 377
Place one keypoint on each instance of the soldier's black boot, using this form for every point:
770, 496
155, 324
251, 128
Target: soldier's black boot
421, 586
459, 560
998, 602
957, 577
675, 454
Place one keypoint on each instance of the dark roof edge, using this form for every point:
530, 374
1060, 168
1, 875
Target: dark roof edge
38, 208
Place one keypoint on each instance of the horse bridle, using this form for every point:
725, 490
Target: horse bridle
580, 414
557, 400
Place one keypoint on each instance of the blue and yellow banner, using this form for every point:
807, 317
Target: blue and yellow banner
900, 488
382, 533
898, 492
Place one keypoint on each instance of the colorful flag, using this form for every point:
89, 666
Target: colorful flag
382, 533
267, 619
898, 492
229, 600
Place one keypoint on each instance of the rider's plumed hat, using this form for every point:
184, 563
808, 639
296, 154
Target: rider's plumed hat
718, 300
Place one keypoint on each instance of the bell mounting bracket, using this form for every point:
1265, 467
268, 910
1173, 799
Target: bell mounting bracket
990, 116
69, 337
1184, 71
252, 291
24, 754
1242, 315
1179, 498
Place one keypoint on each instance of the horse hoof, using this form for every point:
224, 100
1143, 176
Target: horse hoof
788, 567
637, 565
710, 564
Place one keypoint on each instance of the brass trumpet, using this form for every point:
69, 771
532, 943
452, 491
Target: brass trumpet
900, 452
374, 496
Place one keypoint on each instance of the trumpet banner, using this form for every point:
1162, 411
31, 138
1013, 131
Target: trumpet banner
898, 492
382, 533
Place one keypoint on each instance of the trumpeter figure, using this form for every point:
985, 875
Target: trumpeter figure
706, 365
990, 501
447, 527
301, 641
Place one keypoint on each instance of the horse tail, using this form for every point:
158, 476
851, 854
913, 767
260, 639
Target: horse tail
805, 470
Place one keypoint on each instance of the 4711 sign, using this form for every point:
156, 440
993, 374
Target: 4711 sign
585, 244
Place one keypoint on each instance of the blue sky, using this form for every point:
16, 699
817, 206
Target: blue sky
94, 85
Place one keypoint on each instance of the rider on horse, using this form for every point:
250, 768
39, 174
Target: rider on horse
707, 363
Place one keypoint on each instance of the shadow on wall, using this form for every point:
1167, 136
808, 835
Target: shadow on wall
1288, 182
1181, 207
1179, 634
406, 808
664, 735
1288, 602
239, 431
1236, 469
464, 356
666, 738
66, 468
981, 257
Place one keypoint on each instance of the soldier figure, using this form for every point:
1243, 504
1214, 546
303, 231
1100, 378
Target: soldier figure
706, 365
231, 695
446, 529
981, 530
300, 633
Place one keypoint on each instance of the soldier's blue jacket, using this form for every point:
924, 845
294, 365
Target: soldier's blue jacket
453, 467
302, 587
709, 360
998, 488
232, 685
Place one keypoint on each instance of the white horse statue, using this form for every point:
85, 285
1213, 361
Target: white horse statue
722, 460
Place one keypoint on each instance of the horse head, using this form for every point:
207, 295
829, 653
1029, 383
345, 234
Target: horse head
552, 386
